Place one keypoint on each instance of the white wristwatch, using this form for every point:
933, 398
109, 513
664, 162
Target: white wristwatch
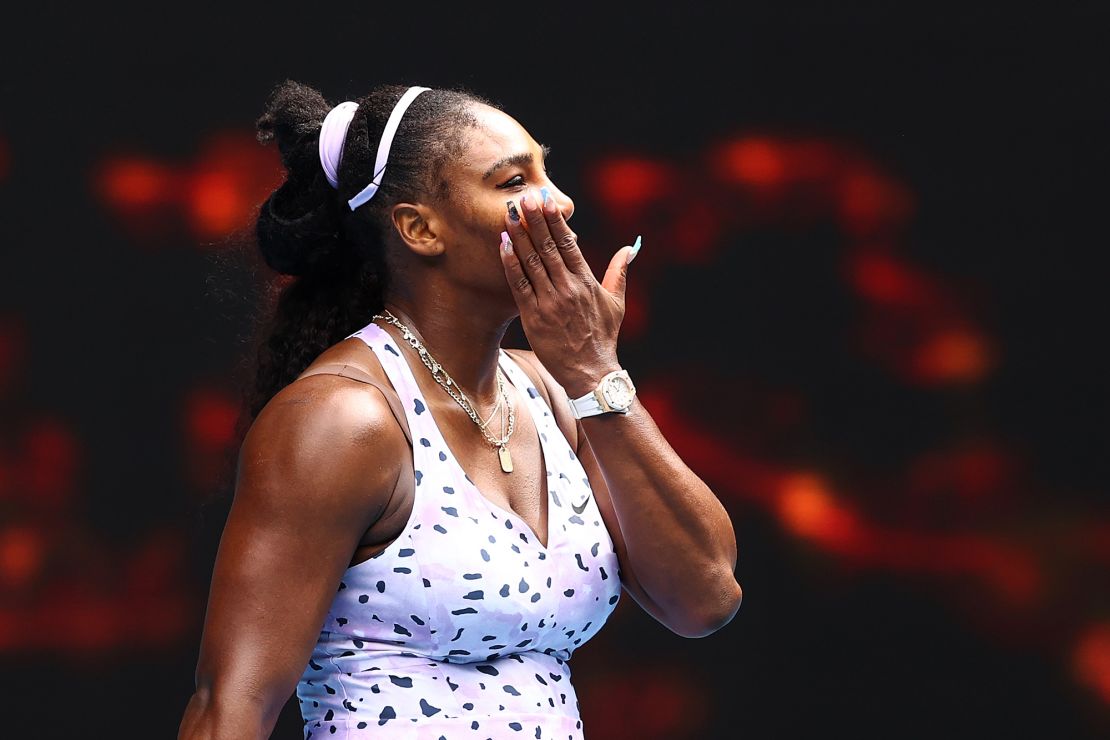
614, 393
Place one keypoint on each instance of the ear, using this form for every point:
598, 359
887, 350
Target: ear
417, 225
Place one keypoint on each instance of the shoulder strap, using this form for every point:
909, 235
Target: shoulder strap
537, 380
558, 407
391, 397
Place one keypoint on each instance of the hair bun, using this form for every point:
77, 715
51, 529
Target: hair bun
298, 224
293, 112
298, 244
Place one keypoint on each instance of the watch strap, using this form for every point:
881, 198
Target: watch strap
594, 403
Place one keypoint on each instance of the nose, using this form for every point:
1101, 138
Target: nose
564, 201
568, 207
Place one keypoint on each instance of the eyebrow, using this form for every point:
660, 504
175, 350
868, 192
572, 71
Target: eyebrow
517, 159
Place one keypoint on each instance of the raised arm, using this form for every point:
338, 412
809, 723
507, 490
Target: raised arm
317, 468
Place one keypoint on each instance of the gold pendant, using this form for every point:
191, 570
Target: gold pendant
506, 459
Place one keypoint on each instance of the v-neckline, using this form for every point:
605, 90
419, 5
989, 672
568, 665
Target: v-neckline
466, 476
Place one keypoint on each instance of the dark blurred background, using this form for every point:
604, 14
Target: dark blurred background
867, 313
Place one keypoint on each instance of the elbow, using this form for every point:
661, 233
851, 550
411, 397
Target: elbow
198, 722
210, 718
712, 614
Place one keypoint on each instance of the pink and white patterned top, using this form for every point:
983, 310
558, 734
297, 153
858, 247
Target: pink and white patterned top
462, 627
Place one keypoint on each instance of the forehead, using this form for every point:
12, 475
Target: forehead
496, 135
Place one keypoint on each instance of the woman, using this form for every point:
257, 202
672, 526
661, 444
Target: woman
425, 526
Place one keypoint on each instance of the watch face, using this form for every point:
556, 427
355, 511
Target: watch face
618, 394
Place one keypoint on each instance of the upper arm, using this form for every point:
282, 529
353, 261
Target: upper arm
315, 470
576, 435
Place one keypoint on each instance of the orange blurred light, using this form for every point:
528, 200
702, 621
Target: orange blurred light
21, 555
1091, 660
231, 176
955, 355
630, 182
132, 183
754, 161
216, 195
869, 201
216, 205
884, 279
808, 508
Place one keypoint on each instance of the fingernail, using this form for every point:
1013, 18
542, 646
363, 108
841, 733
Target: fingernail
545, 194
635, 250
524, 202
506, 243
514, 214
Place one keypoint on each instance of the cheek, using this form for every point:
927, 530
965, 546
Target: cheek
480, 221
491, 213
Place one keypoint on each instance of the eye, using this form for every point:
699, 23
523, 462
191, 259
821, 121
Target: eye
512, 183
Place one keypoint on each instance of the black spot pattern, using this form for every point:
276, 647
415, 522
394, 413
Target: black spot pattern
413, 653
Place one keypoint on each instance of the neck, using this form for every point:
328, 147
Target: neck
462, 338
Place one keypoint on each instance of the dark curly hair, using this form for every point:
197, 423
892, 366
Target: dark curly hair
337, 257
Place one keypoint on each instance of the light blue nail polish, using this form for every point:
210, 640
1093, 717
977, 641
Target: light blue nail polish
634, 251
545, 194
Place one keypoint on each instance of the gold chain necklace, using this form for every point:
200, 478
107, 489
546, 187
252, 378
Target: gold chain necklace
436, 369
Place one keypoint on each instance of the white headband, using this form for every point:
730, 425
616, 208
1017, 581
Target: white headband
333, 133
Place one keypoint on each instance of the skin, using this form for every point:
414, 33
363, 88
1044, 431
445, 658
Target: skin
325, 477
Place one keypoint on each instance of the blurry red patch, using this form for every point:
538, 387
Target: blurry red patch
629, 183
212, 197
753, 161
1091, 659
50, 460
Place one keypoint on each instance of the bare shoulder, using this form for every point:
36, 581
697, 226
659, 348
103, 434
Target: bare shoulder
316, 468
351, 351
325, 442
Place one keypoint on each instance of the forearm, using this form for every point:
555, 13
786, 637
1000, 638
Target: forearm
678, 536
